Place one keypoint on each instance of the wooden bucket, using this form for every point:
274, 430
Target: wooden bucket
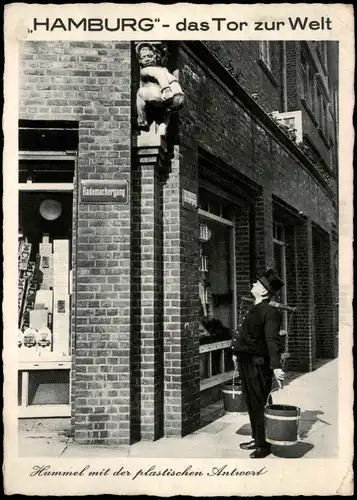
233, 397
281, 424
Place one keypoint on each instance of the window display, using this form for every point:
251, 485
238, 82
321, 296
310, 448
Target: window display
215, 286
44, 271
45, 187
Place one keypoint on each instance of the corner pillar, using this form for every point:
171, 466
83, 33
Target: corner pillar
151, 165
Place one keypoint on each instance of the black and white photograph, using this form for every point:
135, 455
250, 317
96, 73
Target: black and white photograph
177, 213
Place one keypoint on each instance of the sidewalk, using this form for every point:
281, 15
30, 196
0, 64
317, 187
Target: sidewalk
316, 393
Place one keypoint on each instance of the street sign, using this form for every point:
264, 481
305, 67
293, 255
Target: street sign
189, 199
104, 191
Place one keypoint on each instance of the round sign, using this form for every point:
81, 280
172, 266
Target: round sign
50, 209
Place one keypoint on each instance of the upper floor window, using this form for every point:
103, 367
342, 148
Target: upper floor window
269, 56
321, 50
322, 113
308, 83
264, 49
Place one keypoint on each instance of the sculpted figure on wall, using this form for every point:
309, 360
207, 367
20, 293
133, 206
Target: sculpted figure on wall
160, 93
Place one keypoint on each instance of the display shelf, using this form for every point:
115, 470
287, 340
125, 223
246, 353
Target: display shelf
39, 186
44, 364
29, 355
216, 380
41, 411
214, 346
215, 366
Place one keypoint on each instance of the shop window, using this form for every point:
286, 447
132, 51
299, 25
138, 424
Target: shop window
45, 234
280, 264
45, 187
216, 244
216, 287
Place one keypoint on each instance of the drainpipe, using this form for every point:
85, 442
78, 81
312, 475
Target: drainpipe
285, 86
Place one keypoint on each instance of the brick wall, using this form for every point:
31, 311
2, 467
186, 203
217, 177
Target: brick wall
242, 60
136, 350
172, 302
324, 304
181, 303
151, 301
264, 231
220, 125
305, 334
292, 297
244, 240
293, 75
189, 236
135, 320
89, 82
295, 95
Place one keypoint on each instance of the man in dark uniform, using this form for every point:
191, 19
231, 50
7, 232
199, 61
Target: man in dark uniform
256, 349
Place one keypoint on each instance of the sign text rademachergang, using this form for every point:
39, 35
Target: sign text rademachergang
104, 191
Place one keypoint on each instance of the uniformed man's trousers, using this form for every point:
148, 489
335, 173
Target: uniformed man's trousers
256, 378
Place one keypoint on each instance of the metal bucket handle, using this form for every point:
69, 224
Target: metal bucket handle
273, 390
276, 389
234, 376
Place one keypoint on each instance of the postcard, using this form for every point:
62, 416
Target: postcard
178, 249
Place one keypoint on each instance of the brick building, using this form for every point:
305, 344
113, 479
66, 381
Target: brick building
246, 179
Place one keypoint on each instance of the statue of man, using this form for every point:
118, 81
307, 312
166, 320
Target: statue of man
159, 93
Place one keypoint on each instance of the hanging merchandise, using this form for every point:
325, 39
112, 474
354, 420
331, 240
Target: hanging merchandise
24, 255
43, 296
21, 292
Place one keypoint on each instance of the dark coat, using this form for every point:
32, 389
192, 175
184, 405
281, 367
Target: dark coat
258, 333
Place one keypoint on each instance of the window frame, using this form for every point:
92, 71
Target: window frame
29, 361
232, 261
64, 187
223, 346
281, 243
267, 56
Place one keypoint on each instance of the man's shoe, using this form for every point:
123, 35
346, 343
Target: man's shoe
260, 452
250, 445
